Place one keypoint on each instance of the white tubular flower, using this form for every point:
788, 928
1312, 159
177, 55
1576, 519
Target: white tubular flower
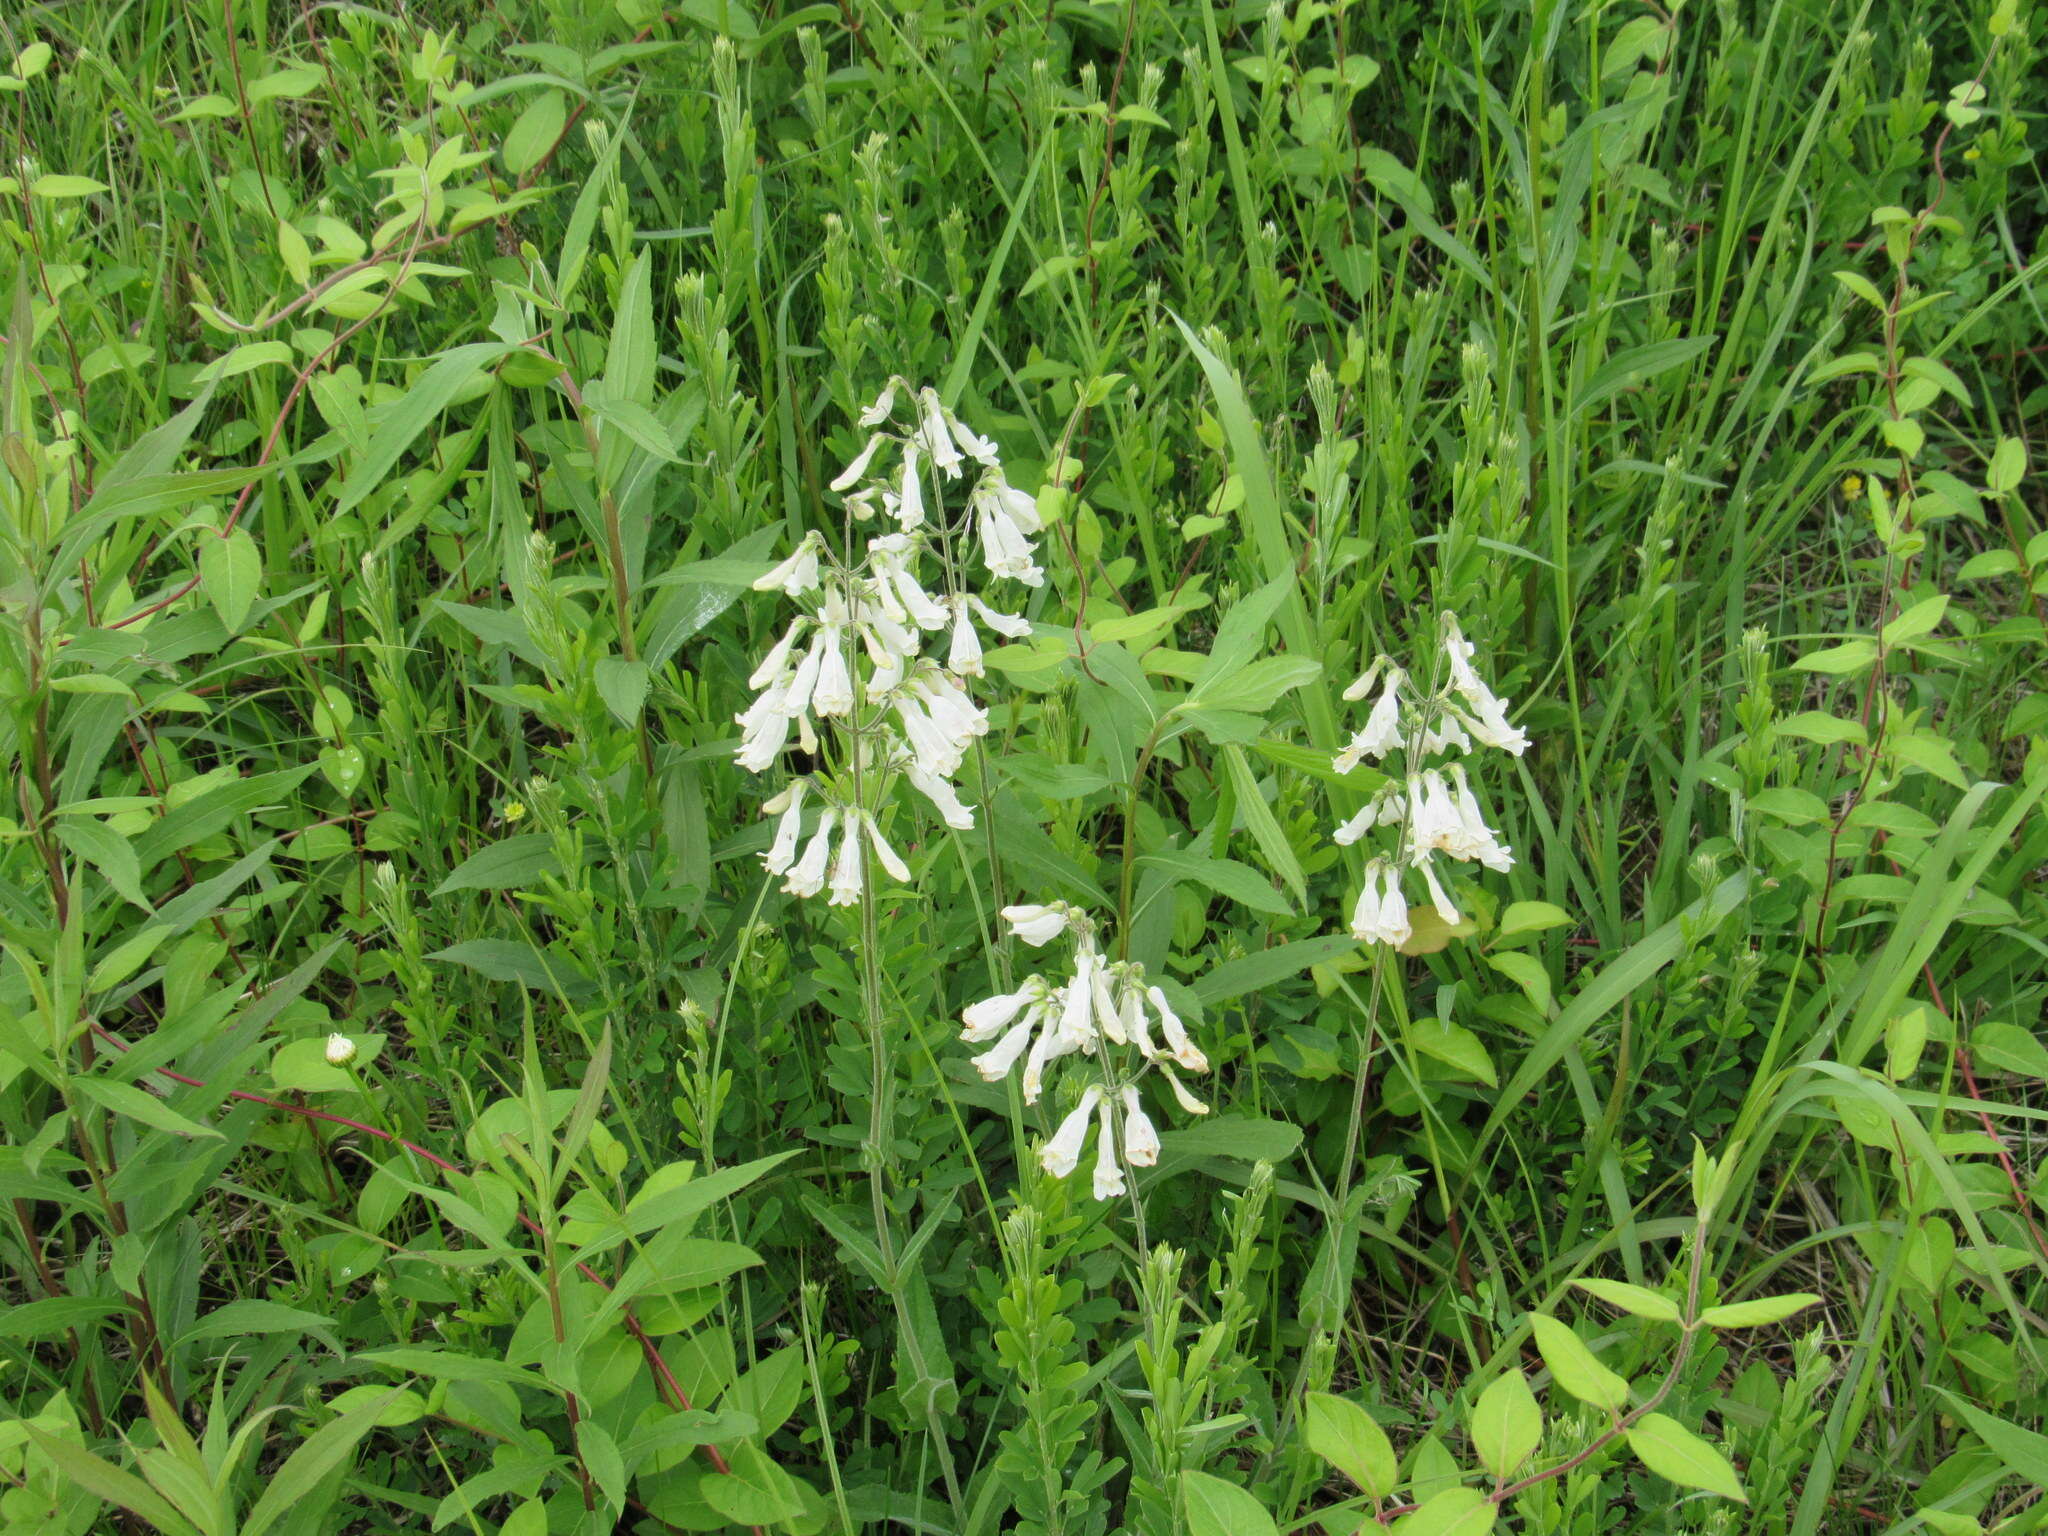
1008, 625
833, 695
1489, 719
994, 1065
807, 875
1434, 824
1131, 1009
1019, 508
972, 443
1382, 733
909, 508
793, 696
941, 794
1360, 688
892, 864
1077, 1008
1004, 550
885, 402
938, 438
1445, 908
1062, 1155
992, 1015
1488, 848
848, 869
340, 1050
1109, 1173
1047, 1048
862, 502
1141, 1137
1384, 809
892, 564
1037, 925
761, 738
796, 575
951, 708
1381, 915
1103, 1005
1178, 1045
782, 852
776, 663
1444, 734
930, 747
1187, 1101
963, 654
859, 466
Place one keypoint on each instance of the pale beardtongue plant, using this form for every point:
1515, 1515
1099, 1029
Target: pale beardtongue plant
854, 659
1427, 809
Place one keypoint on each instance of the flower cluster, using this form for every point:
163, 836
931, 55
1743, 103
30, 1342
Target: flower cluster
854, 655
1100, 1000
1430, 809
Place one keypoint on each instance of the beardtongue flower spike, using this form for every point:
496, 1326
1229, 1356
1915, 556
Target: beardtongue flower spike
1062, 1155
1109, 1173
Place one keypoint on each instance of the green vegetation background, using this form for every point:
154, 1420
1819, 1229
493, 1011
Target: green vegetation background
1694, 357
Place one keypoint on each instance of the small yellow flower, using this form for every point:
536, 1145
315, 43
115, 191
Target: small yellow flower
514, 811
1973, 153
1852, 486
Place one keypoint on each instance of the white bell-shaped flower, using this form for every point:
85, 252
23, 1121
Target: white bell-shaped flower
1062, 1155
1038, 925
807, 875
782, 851
1109, 1172
1141, 1136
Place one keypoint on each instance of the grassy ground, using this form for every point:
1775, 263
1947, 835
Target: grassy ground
396, 408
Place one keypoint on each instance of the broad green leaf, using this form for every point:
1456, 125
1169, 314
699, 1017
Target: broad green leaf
1759, 1313
505, 865
238, 1318
1672, 1451
1636, 366
1264, 967
534, 132
2022, 1450
308, 1467
1507, 1426
301, 1066
1836, 660
2008, 1048
1575, 1367
1636, 1299
1458, 1511
1227, 877
1264, 827
1217, 1508
1530, 917
126, 1099
103, 1480
622, 684
1455, 1046
1241, 635
1351, 1440
1528, 973
1920, 619
401, 423
231, 571
2008, 465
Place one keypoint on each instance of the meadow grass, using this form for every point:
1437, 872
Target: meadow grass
421, 1109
